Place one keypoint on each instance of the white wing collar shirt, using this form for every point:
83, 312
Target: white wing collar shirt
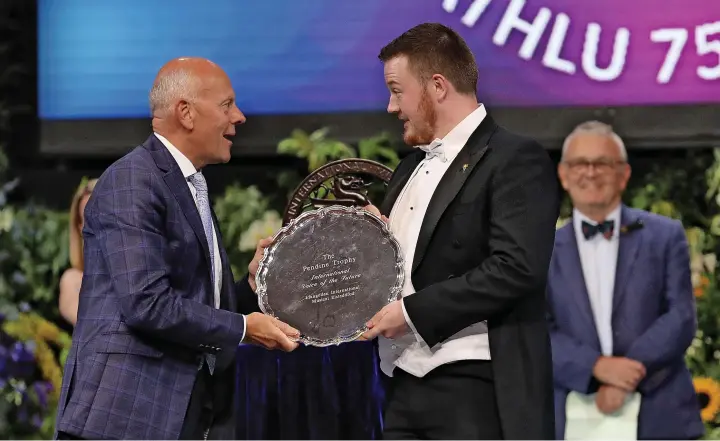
410, 353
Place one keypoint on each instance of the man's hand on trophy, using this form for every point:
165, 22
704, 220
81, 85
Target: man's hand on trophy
253, 267
269, 332
389, 322
374, 210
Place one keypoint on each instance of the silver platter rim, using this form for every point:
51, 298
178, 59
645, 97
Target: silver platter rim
293, 225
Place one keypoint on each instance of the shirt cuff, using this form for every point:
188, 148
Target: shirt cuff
410, 323
244, 329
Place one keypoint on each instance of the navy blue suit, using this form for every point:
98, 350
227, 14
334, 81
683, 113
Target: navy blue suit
146, 314
653, 322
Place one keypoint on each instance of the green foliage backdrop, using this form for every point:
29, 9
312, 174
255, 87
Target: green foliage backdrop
33, 254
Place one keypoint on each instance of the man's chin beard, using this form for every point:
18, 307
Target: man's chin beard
413, 138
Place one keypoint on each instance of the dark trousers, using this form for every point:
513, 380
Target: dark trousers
209, 413
453, 401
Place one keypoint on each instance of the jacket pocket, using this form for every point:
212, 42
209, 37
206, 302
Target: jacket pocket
124, 343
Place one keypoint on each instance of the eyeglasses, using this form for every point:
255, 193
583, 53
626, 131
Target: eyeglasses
601, 165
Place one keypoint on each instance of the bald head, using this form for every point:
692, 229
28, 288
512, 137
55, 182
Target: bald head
193, 106
180, 79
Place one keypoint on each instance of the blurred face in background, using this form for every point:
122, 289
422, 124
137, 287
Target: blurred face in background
412, 101
594, 173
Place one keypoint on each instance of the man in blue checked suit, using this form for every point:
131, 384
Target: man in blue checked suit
160, 316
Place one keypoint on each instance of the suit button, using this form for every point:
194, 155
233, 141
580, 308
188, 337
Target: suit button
451, 276
393, 347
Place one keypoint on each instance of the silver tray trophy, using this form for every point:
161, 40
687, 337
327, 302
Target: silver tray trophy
333, 265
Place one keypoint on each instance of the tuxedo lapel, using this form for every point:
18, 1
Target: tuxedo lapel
409, 165
571, 271
451, 183
627, 255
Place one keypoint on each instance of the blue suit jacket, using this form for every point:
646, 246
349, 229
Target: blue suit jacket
653, 322
145, 316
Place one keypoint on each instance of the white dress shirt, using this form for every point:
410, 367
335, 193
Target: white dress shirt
188, 169
598, 257
411, 353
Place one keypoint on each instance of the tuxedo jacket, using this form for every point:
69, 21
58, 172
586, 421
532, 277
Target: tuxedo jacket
146, 316
482, 254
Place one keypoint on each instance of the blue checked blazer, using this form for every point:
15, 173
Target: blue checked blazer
145, 316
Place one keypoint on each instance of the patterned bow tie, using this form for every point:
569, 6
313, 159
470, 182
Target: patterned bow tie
434, 149
605, 228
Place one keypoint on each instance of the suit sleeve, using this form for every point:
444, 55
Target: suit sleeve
573, 361
668, 338
128, 221
524, 206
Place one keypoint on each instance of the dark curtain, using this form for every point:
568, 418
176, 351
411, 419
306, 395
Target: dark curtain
311, 393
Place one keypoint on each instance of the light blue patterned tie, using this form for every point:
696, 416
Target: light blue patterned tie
203, 205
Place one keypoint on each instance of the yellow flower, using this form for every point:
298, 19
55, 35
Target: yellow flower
32, 327
708, 391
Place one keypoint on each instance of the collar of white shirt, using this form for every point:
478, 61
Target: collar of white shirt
456, 139
187, 167
614, 216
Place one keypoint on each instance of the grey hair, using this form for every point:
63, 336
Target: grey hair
596, 128
171, 87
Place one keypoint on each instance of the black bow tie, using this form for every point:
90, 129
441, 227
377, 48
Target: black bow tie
605, 228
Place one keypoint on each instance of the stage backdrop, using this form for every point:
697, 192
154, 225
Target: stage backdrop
98, 59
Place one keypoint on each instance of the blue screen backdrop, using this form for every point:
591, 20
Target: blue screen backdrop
98, 58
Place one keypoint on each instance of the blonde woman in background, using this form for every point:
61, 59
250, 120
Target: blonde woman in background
72, 277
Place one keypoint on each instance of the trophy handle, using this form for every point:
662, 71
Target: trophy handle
343, 182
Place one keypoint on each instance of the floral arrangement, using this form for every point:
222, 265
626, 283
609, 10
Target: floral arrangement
32, 352
266, 226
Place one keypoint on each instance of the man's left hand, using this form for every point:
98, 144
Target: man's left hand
255, 263
609, 398
389, 322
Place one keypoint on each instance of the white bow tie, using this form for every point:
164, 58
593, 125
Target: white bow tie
434, 149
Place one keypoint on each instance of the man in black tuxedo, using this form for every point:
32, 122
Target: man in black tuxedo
474, 207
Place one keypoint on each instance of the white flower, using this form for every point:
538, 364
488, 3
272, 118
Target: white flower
261, 228
695, 278
710, 262
696, 263
6, 218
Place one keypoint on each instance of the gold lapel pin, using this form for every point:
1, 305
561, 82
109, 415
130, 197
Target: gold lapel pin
465, 166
